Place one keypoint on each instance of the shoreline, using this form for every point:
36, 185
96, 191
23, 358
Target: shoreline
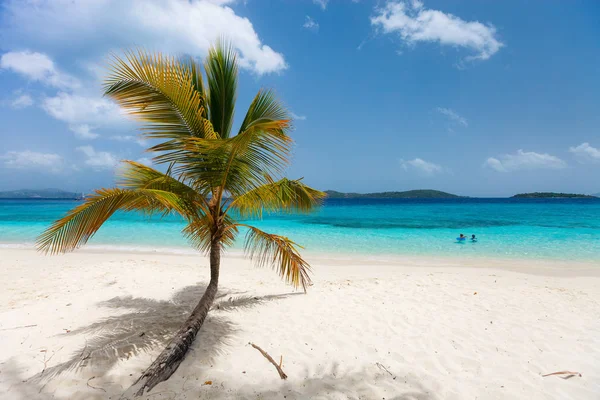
471, 261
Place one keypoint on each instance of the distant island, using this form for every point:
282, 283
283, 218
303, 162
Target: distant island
552, 195
54, 194
410, 194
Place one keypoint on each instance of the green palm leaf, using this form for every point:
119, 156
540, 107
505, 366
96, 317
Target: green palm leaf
279, 252
81, 223
222, 71
266, 113
159, 91
136, 176
283, 195
230, 166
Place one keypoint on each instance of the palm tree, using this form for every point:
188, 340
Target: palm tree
213, 178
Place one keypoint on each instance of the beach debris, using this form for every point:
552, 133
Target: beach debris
18, 327
381, 366
94, 387
282, 374
569, 374
474, 293
207, 383
47, 359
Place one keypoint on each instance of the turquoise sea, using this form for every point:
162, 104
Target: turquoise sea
560, 229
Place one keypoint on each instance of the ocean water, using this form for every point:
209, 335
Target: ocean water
562, 229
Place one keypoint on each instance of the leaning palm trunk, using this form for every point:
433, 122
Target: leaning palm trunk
212, 177
167, 362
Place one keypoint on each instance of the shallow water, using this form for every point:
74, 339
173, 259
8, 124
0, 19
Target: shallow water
563, 229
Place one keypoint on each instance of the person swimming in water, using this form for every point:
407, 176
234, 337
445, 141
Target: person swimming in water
462, 237
473, 238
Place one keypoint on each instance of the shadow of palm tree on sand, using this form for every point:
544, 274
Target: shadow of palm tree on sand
143, 325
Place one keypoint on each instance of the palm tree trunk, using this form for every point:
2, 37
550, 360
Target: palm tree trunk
167, 362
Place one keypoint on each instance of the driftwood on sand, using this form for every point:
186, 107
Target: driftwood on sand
567, 373
282, 374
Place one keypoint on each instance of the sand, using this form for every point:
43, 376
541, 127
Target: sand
84, 325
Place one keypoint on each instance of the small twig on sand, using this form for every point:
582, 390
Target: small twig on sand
18, 327
46, 361
568, 373
94, 387
381, 366
268, 357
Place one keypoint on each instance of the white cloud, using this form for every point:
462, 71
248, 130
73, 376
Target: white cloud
37, 67
98, 159
311, 24
453, 116
83, 112
22, 101
129, 138
298, 117
425, 167
173, 26
83, 131
321, 3
523, 160
33, 160
415, 23
586, 153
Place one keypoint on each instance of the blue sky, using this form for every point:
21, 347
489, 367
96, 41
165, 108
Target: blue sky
479, 98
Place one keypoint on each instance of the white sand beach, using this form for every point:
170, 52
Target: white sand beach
84, 325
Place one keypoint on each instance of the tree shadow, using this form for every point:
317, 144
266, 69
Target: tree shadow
143, 325
333, 383
146, 325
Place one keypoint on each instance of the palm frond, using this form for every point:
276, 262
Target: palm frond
136, 176
266, 113
222, 71
279, 252
159, 91
283, 195
82, 222
236, 165
195, 70
202, 231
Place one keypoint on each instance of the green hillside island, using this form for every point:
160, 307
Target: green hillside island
54, 194
552, 195
410, 194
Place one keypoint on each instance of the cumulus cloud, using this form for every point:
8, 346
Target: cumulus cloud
524, 160
22, 101
310, 24
414, 23
586, 153
32, 160
173, 26
37, 67
420, 165
98, 159
83, 113
453, 116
